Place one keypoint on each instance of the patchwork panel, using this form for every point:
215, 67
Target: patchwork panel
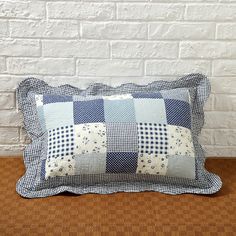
150, 110
154, 164
122, 137
178, 113
61, 141
145, 145
88, 111
152, 138
119, 110
121, 162
90, 138
124, 133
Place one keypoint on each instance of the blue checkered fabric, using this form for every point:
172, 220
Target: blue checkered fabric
122, 137
131, 129
153, 138
61, 141
90, 111
121, 162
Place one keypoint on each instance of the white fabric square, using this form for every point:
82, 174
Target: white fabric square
180, 141
62, 166
90, 138
154, 164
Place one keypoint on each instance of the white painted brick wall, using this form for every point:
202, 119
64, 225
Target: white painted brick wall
116, 41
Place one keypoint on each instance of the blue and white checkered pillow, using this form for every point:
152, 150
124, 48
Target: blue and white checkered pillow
130, 140
139, 133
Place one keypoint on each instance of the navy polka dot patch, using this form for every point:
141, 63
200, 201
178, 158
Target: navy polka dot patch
152, 138
61, 141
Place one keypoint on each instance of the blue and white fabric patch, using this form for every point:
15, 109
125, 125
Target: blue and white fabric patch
126, 133
90, 138
61, 141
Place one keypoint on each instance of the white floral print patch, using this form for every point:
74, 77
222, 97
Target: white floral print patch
90, 138
154, 164
62, 166
39, 100
180, 141
118, 97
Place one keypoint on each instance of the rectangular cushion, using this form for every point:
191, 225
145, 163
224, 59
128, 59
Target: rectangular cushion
105, 139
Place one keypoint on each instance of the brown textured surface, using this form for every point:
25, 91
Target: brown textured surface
146, 213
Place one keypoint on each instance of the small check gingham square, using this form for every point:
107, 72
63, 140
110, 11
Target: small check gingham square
122, 137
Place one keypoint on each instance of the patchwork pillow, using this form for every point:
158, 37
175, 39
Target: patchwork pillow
104, 139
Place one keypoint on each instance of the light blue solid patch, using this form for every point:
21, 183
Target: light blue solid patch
181, 166
94, 163
119, 110
41, 117
150, 110
58, 114
176, 94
